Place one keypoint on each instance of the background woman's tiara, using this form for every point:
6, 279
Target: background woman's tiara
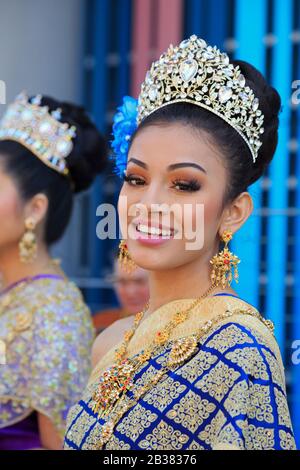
196, 73
32, 125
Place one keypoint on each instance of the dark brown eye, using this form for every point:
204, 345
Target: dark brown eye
190, 186
133, 180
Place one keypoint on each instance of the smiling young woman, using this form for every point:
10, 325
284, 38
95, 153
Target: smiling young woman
199, 368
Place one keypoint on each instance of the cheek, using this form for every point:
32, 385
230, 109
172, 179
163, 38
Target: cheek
144, 291
122, 293
118, 291
122, 210
211, 212
204, 215
126, 209
11, 216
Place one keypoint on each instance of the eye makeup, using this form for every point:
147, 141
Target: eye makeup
190, 185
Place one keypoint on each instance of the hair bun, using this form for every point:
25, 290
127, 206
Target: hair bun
270, 105
89, 154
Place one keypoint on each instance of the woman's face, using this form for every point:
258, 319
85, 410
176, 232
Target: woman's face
11, 212
175, 166
132, 288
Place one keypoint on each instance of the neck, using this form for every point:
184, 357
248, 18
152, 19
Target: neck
12, 269
190, 280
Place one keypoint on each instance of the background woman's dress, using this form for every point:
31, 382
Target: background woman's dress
48, 333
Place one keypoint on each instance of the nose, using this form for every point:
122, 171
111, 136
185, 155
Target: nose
151, 210
153, 205
152, 200
152, 194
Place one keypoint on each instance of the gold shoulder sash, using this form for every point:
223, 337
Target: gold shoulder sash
209, 308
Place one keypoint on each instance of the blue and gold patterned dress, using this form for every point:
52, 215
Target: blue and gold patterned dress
48, 333
228, 394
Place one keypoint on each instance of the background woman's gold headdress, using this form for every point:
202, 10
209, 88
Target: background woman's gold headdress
32, 125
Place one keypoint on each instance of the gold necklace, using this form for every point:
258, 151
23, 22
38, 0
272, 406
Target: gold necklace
117, 379
181, 350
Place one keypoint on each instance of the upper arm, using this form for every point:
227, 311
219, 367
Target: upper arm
60, 362
49, 436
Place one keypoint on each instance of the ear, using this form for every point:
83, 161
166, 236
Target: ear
237, 212
37, 208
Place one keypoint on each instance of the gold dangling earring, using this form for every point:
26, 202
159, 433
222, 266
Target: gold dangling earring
124, 258
223, 262
28, 243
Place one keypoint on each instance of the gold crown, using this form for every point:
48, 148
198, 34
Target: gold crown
31, 124
196, 73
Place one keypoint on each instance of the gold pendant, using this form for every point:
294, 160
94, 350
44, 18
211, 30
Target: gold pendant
115, 381
181, 350
23, 321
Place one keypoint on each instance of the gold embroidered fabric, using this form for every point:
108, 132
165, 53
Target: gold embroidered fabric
48, 333
229, 394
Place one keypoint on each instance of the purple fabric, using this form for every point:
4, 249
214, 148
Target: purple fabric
23, 435
225, 293
48, 363
31, 278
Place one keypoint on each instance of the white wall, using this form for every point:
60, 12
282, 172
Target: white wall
41, 51
41, 45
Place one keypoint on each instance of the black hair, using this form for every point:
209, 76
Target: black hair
87, 158
238, 159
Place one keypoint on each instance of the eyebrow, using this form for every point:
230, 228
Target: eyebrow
171, 167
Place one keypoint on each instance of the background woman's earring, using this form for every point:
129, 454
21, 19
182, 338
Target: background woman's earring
124, 258
223, 262
28, 244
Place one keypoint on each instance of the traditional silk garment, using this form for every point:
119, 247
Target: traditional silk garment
48, 333
229, 394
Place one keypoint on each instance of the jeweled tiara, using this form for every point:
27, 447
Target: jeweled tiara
32, 125
196, 73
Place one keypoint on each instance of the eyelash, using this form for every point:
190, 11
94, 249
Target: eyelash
190, 186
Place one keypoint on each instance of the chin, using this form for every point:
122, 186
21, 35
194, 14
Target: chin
156, 265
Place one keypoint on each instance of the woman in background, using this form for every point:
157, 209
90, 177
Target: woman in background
49, 150
132, 291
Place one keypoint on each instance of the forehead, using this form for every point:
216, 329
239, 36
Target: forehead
4, 175
162, 144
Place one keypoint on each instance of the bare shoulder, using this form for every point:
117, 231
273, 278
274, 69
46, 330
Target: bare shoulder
109, 337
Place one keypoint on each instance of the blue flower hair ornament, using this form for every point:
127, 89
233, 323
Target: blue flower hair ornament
124, 125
